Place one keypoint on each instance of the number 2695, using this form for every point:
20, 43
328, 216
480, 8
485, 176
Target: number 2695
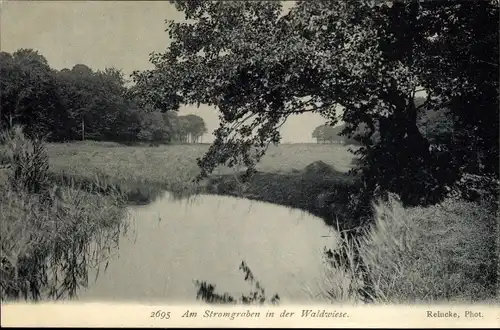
160, 315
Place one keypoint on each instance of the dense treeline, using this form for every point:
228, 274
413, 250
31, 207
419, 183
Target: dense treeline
79, 103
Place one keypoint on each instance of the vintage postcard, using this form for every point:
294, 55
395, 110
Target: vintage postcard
249, 163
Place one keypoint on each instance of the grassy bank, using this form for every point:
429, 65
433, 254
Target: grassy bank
445, 253
318, 189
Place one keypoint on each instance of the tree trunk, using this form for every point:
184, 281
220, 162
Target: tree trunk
83, 129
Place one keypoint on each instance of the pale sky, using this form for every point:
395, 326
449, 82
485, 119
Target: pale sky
103, 34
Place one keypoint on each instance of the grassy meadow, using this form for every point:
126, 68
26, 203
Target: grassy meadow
173, 165
407, 255
142, 171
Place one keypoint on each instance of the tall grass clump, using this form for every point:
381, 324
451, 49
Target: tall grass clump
28, 160
445, 252
343, 281
50, 235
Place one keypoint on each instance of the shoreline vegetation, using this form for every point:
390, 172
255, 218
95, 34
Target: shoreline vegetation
53, 207
51, 234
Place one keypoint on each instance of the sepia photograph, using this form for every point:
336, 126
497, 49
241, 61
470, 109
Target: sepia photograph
250, 153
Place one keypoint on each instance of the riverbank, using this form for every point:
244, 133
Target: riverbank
88, 172
437, 253
318, 189
313, 178
286, 174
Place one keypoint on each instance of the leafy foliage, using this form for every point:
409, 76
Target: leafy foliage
194, 127
259, 66
28, 94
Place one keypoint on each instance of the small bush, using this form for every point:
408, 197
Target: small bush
320, 168
476, 187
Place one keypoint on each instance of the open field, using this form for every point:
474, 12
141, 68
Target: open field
142, 171
171, 163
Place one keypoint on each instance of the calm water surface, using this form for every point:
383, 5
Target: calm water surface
173, 242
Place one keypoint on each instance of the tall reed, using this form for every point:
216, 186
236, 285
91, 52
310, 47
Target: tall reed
50, 235
442, 253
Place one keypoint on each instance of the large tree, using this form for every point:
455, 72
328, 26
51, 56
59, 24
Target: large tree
29, 94
196, 127
258, 67
319, 134
96, 103
330, 134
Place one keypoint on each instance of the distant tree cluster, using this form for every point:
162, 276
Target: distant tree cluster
170, 128
191, 129
332, 135
327, 134
79, 104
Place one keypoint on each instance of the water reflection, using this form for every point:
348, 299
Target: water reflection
173, 242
